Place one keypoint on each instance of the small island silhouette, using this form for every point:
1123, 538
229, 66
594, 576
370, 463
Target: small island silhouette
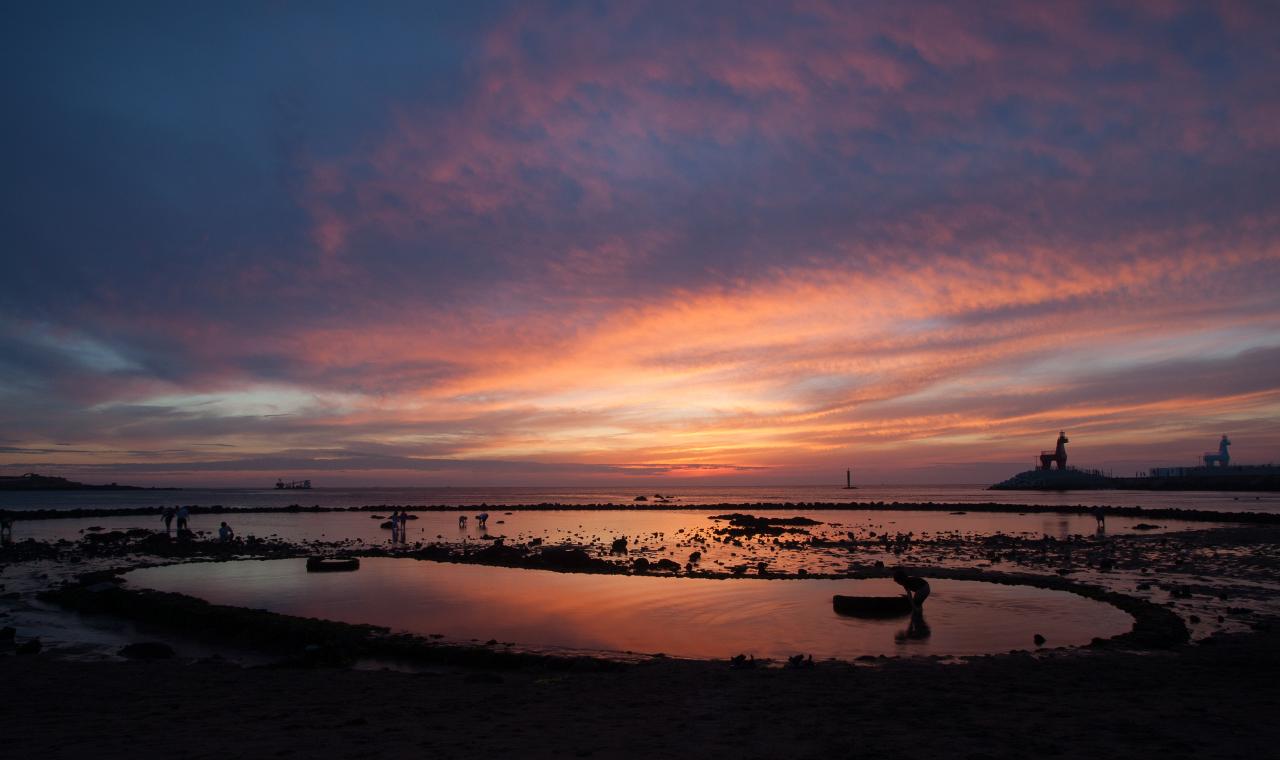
33, 482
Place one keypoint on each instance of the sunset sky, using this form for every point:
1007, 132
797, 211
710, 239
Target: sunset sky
576, 243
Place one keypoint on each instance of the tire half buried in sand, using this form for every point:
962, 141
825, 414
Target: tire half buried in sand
871, 606
332, 564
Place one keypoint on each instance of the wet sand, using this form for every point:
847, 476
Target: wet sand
1206, 701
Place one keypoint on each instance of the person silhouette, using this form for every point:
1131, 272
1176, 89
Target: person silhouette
917, 588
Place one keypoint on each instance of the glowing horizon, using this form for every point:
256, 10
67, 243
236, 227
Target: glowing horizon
528, 244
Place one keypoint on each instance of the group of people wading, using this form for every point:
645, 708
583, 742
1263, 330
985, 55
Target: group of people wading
182, 515
399, 524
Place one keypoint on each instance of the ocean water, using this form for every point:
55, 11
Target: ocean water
624, 496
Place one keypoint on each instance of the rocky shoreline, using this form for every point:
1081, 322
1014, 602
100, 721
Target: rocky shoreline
1175, 667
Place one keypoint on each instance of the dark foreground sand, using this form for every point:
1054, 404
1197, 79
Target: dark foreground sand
1216, 699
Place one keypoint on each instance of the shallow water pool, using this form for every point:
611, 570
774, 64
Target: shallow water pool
683, 617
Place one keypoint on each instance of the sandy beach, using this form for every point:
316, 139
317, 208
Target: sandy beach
1215, 700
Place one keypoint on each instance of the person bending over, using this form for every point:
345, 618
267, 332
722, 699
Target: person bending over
917, 588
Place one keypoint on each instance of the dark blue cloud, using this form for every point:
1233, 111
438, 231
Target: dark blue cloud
190, 192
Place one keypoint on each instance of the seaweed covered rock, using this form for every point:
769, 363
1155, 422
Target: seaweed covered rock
568, 558
741, 525
499, 552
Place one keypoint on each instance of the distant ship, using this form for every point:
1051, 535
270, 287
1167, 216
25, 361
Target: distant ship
293, 485
1215, 474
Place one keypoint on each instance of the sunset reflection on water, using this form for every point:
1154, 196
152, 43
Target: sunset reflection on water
681, 617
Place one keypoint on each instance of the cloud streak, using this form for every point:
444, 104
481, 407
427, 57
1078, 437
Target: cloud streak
745, 243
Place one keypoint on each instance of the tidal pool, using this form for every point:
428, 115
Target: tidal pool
683, 617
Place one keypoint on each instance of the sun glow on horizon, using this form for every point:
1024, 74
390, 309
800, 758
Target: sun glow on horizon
562, 244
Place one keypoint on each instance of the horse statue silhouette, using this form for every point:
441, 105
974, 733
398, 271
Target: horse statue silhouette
1059, 455
1223, 457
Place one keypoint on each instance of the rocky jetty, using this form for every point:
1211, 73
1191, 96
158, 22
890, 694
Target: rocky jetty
1235, 478
1055, 480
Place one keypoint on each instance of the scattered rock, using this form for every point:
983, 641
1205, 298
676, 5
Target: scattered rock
741, 525
567, 558
1038, 639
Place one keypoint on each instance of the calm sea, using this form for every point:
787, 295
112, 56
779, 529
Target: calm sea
625, 497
